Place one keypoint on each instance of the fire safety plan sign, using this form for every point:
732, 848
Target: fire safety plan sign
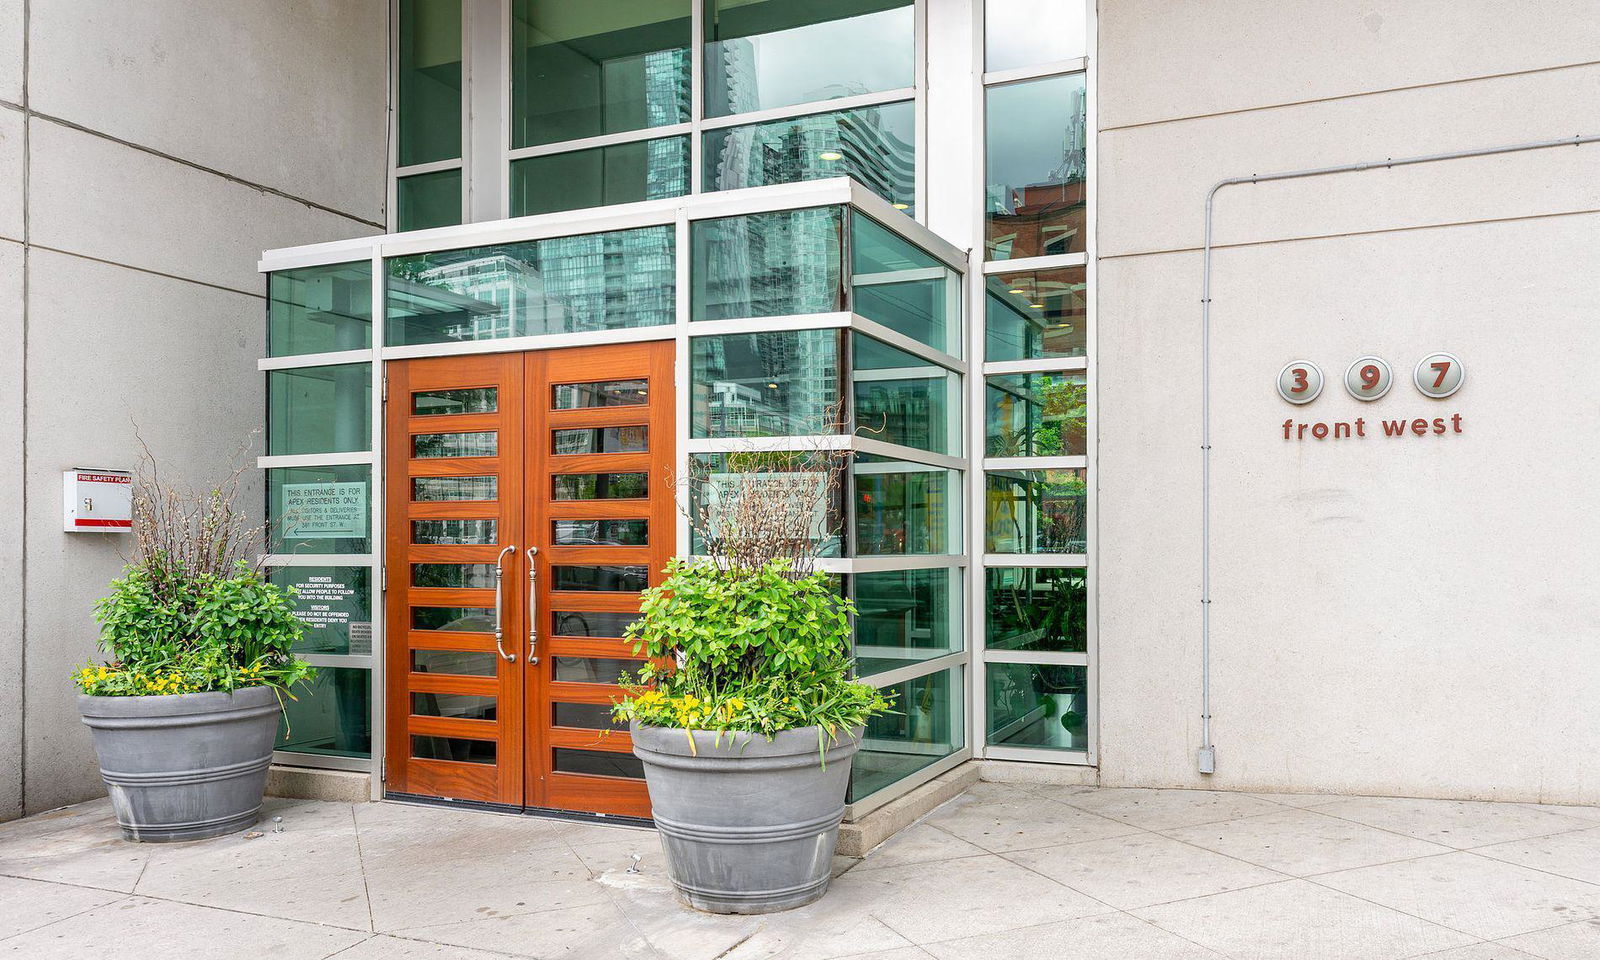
97, 501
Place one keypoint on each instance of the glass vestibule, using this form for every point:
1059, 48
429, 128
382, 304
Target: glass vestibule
821, 300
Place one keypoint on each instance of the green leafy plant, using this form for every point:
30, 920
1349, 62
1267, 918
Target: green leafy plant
190, 614
760, 651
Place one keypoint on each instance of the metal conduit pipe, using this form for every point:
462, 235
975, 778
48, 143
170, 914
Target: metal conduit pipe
1207, 756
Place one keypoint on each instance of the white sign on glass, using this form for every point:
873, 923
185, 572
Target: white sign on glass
324, 511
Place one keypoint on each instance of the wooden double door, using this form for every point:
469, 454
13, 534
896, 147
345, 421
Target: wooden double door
528, 501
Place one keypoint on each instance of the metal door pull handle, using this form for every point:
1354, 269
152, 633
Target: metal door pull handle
499, 632
533, 606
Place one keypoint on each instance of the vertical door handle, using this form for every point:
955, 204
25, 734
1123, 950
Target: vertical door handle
533, 606
499, 632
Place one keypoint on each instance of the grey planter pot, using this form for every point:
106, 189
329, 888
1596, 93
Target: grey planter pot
184, 767
747, 825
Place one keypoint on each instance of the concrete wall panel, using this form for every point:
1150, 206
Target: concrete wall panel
1156, 177
1161, 60
11, 164
110, 348
100, 198
11, 33
11, 494
1409, 615
287, 94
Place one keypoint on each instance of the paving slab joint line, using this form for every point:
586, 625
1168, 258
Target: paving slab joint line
1394, 909
69, 916
361, 861
1334, 816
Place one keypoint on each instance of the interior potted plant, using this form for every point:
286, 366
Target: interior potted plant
747, 717
198, 646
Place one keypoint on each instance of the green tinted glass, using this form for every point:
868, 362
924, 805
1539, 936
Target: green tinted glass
903, 288
331, 716
906, 616
1035, 315
1036, 511
336, 605
780, 384
590, 533
768, 264
928, 723
428, 111
874, 145
1036, 415
596, 281
319, 509
1037, 609
901, 398
776, 53
600, 486
1038, 705
319, 409
1037, 168
905, 508
624, 173
797, 477
585, 69
319, 309
428, 200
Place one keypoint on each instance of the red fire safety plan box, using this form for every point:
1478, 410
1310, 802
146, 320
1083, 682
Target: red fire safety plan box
97, 501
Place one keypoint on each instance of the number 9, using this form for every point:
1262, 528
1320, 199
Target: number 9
1368, 378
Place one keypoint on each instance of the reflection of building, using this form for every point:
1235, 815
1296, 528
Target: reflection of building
873, 144
777, 384
865, 144
496, 281
1045, 218
563, 285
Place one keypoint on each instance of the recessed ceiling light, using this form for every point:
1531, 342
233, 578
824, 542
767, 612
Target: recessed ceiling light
900, 206
1035, 306
830, 155
1017, 290
772, 386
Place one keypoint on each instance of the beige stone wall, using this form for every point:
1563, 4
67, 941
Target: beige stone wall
1414, 615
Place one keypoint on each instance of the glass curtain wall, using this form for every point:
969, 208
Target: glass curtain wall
429, 83
319, 496
1034, 501
793, 403
611, 103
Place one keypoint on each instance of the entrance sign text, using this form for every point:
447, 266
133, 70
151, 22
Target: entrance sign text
324, 511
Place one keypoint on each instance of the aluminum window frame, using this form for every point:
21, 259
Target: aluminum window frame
983, 268
486, 93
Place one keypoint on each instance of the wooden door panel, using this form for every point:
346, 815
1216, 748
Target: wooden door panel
443, 756
568, 767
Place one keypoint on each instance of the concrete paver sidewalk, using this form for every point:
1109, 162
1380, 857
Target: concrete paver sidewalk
1003, 871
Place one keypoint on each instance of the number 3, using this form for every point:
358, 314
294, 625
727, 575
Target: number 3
1301, 384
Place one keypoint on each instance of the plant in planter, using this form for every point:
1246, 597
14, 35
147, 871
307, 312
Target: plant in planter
747, 717
198, 656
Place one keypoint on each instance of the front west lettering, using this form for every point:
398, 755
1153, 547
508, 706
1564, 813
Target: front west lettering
1358, 428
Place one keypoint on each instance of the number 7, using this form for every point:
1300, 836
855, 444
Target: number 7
1443, 366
